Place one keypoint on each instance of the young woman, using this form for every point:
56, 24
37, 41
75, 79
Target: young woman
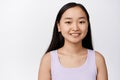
70, 55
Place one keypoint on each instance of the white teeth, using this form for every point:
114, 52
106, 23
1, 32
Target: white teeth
75, 34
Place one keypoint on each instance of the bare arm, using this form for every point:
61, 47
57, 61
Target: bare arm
101, 67
44, 70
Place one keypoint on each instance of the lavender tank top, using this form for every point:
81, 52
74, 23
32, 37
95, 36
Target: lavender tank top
87, 71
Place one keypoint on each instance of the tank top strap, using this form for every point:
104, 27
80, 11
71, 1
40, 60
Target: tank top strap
54, 60
92, 60
53, 56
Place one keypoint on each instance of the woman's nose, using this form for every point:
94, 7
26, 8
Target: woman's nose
75, 27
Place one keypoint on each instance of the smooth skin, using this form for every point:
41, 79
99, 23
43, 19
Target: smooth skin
73, 26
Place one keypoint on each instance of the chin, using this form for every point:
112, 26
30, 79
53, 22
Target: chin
75, 41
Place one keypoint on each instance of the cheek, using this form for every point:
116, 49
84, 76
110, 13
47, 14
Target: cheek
84, 30
64, 28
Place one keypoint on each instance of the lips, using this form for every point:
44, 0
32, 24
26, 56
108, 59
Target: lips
75, 34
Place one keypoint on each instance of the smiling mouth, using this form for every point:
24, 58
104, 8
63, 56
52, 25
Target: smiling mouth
75, 34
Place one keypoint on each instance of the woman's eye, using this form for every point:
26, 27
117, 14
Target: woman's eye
81, 22
68, 22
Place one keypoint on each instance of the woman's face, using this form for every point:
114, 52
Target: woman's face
73, 25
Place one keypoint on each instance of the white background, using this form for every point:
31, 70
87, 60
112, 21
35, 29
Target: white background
26, 29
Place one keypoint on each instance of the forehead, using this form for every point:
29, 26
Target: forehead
74, 13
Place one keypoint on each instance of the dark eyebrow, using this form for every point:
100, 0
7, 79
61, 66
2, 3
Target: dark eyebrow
78, 18
82, 17
67, 18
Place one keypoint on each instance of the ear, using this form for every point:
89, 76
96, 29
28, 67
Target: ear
58, 26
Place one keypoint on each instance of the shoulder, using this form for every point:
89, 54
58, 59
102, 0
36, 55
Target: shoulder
45, 62
101, 66
100, 61
44, 69
46, 56
99, 57
46, 59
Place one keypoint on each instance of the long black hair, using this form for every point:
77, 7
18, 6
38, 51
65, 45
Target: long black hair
58, 39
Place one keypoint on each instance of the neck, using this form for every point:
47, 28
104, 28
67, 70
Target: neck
72, 48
